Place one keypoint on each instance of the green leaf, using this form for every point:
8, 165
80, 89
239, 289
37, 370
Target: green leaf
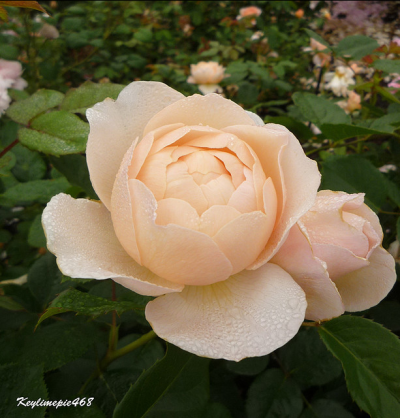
10, 304
370, 357
247, 93
216, 410
389, 66
308, 361
88, 94
7, 162
24, 111
86, 304
318, 38
354, 174
59, 343
56, 133
44, 279
29, 166
385, 92
40, 191
387, 312
75, 169
22, 382
342, 131
356, 47
143, 35
393, 192
36, 237
326, 408
319, 110
175, 387
273, 395
248, 366
300, 130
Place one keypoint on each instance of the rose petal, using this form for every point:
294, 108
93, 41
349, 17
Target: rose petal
295, 177
121, 209
212, 110
81, 235
244, 198
256, 118
232, 165
242, 239
175, 253
251, 314
296, 257
178, 212
146, 145
366, 287
115, 125
218, 191
214, 218
339, 260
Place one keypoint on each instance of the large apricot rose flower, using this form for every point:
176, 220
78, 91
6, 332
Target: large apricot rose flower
335, 254
196, 196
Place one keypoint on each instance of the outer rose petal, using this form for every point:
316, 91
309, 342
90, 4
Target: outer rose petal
296, 177
80, 233
366, 287
296, 257
250, 314
212, 110
114, 125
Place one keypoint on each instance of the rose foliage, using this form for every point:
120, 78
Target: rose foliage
217, 215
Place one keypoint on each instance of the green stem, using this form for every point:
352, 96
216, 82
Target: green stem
113, 355
310, 324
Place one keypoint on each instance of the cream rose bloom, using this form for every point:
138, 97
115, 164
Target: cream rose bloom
197, 195
207, 75
334, 253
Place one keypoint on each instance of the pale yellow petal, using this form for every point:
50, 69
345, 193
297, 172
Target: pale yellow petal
114, 125
81, 235
173, 252
251, 314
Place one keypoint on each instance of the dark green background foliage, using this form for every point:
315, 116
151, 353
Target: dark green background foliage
348, 367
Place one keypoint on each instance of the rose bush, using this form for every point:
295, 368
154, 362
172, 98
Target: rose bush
334, 253
207, 75
197, 195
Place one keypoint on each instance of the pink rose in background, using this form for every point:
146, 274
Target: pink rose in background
207, 75
12, 71
334, 253
395, 84
249, 11
10, 77
197, 195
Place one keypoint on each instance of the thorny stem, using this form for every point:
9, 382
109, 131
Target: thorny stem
7, 148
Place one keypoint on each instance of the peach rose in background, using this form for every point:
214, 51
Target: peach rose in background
320, 59
352, 103
207, 75
334, 253
246, 12
197, 195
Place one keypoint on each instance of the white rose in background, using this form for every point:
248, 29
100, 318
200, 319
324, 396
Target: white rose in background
197, 195
207, 75
335, 254
339, 80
